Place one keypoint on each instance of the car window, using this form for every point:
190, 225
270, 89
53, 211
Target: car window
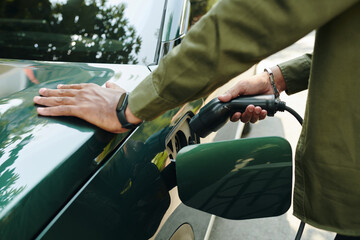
98, 31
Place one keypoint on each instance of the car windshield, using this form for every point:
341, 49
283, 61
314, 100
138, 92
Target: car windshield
97, 31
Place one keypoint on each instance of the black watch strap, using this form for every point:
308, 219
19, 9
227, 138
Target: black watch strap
120, 112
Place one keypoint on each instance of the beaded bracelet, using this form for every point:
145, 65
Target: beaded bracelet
272, 81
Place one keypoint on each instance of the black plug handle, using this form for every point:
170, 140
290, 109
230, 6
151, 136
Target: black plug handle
216, 113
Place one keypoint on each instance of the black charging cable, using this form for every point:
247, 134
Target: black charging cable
282, 107
300, 120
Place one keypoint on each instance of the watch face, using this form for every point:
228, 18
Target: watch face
121, 101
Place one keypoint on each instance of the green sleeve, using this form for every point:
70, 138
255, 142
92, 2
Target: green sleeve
227, 41
296, 73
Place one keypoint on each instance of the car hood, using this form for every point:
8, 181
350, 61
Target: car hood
44, 160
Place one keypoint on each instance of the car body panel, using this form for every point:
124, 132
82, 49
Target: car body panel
46, 159
243, 178
126, 197
61, 176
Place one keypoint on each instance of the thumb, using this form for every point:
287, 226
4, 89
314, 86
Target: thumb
225, 97
112, 85
232, 93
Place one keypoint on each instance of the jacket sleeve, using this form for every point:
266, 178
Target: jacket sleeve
227, 41
296, 73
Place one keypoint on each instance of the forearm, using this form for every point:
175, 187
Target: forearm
227, 41
278, 78
131, 118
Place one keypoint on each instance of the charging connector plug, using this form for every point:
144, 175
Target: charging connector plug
216, 113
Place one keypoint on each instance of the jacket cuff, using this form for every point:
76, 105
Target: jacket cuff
296, 73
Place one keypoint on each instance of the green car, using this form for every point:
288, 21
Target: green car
62, 178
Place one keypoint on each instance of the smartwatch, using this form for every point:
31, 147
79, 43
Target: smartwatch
120, 112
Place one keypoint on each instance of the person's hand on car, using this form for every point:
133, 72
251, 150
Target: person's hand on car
255, 85
90, 102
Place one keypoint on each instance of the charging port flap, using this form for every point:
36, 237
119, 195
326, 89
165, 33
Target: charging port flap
180, 136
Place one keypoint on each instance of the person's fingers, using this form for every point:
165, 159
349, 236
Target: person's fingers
255, 85
225, 97
75, 86
64, 110
257, 110
235, 117
113, 85
233, 92
53, 101
252, 114
256, 115
246, 116
263, 115
46, 92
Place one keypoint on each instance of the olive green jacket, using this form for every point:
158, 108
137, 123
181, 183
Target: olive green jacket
233, 36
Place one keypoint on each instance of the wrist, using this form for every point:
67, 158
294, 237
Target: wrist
124, 114
130, 117
272, 82
278, 79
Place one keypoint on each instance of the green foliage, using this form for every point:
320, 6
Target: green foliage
10, 124
77, 31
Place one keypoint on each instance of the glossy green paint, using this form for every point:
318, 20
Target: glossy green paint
127, 197
61, 176
43, 160
64, 170
238, 179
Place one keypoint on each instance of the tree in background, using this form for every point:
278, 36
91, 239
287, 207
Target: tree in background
78, 30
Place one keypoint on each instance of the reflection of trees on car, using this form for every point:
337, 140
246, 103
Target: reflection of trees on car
8, 177
76, 31
17, 130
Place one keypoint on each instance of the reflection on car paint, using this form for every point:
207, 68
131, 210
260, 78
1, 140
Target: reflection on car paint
50, 160
252, 180
26, 164
80, 31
